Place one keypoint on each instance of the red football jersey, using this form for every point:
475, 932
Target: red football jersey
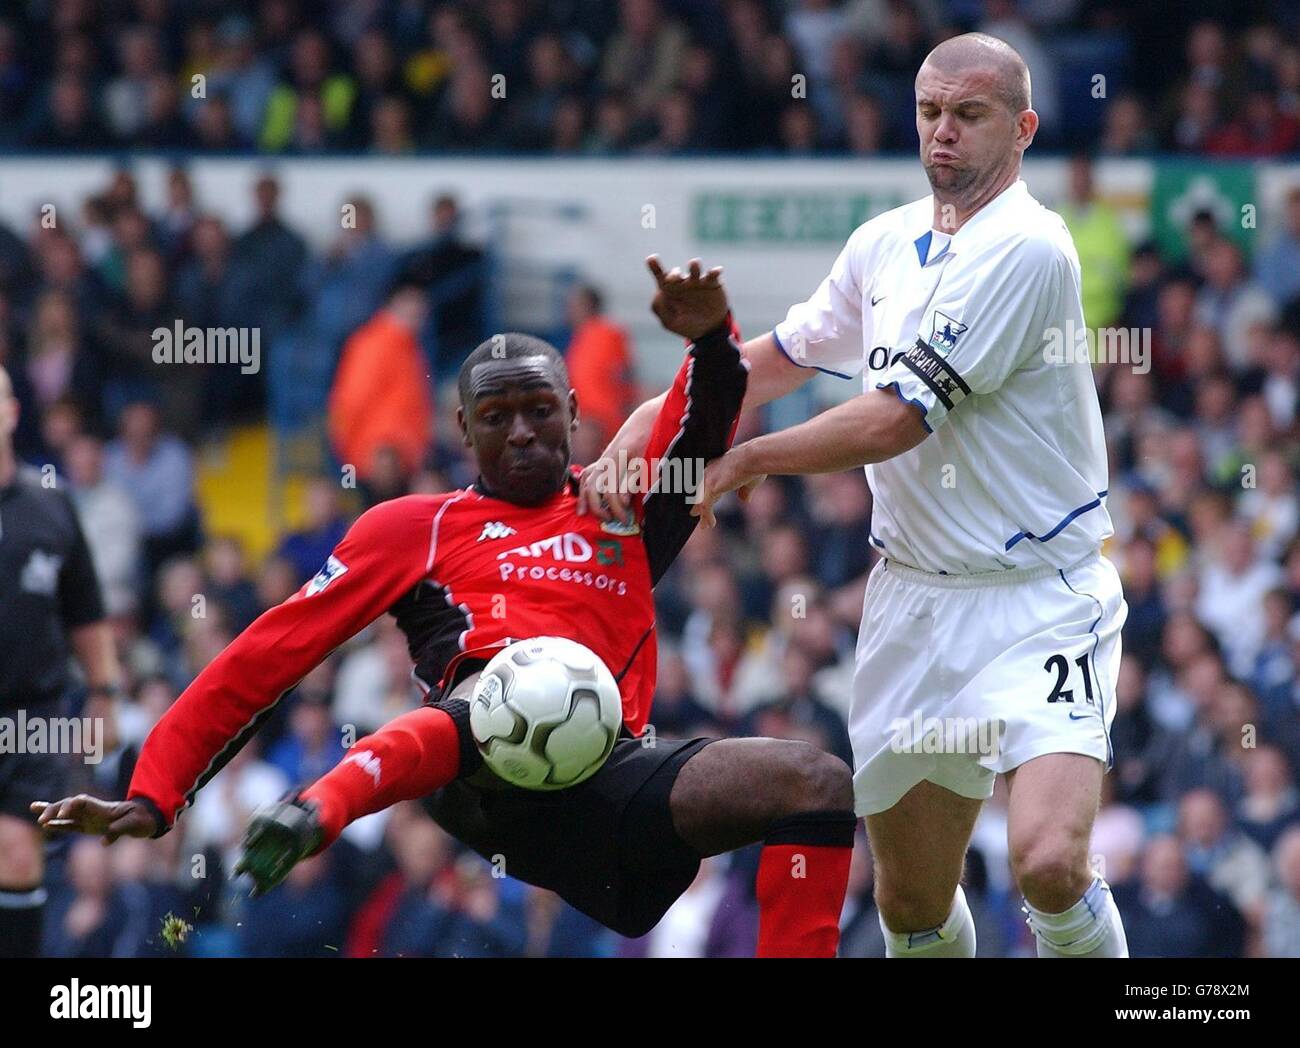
463, 574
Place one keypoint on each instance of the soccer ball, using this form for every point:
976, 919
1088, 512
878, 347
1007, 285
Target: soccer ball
545, 713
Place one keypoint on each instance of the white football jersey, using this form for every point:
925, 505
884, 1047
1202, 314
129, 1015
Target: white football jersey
983, 329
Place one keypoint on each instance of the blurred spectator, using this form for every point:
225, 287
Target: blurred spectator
58, 362
228, 581
644, 57
156, 469
1277, 264
240, 79
677, 715
212, 290
268, 250
88, 917
322, 529
1233, 583
1272, 802
348, 283
452, 273
1229, 861
1101, 243
309, 78
1282, 915
799, 713
1260, 131
306, 917
1230, 302
1125, 130
126, 96
599, 358
1171, 912
313, 744
69, 120
1139, 741
447, 906
111, 523
381, 395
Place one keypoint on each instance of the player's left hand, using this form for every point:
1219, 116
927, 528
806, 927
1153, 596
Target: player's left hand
724, 474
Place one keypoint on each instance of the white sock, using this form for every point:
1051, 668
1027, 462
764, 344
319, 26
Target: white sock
954, 938
1090, 928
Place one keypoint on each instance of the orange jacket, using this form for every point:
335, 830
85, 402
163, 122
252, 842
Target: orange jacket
600, 370
381, 396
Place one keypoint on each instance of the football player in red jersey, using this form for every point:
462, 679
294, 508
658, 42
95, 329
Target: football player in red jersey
468, 572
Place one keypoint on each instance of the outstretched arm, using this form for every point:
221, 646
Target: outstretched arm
381, 557
771, 376
869, 428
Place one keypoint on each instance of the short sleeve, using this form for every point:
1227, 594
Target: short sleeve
826, 331
80, 602
977, 333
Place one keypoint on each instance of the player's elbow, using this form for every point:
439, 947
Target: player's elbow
892, 425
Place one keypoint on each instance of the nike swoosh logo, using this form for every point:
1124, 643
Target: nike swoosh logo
875, 300
1075, 715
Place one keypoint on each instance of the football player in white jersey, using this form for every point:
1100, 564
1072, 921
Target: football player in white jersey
990, 638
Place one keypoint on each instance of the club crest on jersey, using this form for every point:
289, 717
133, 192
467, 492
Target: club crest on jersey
620, 527
944, 332
331, 570
494, 529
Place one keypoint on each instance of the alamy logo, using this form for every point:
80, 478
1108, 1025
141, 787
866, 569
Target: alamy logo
53, 735
494, 529
102, 1002
964, 735
179, 344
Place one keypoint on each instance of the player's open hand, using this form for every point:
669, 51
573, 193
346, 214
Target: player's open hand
722, 475
86, 814
689, 304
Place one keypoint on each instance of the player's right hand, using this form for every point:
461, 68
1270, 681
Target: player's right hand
601, 491
86, 814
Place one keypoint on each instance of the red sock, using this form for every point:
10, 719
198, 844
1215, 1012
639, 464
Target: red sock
407, 758
802, 876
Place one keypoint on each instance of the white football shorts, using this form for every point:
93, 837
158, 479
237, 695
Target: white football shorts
960, 677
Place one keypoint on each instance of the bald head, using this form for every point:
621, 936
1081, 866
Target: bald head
979, 53
974, 123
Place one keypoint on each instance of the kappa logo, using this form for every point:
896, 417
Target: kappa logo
944, 332
495, 529
331, 570
367, 762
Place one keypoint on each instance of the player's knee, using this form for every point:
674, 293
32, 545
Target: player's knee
21, 863
821, 781
1050, 873
910, 907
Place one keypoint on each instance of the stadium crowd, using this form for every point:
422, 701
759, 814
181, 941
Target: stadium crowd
1200, 830
660, 77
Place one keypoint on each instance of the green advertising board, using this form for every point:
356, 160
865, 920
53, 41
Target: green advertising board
1180, 190
775, 216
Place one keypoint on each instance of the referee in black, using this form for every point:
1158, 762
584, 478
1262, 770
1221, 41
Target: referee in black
50, 607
